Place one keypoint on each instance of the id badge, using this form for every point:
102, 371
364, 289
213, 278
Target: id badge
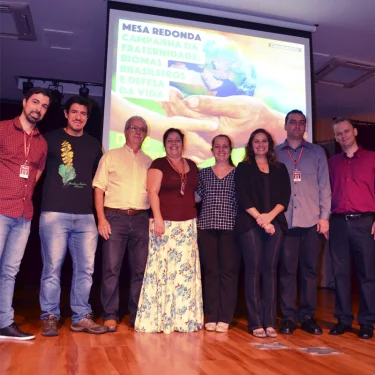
24, 171
297, 176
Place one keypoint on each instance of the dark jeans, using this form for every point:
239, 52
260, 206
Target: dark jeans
220, 261
129, 233
353, 240
260, 253
299, 252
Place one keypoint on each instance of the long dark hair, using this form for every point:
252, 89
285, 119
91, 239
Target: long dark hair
230, 145
271, 155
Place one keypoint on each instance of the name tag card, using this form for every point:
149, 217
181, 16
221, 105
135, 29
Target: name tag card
297, 176
24, 171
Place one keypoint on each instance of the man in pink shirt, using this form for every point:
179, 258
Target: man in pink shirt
23, 153
352, 229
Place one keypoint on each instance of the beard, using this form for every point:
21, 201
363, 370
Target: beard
31, 119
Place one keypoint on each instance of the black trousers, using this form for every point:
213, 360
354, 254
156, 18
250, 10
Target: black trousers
129, 234
260, 253
352, 240
299, 254
219, 257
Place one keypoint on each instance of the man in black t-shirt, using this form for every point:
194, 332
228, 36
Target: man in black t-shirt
67, 219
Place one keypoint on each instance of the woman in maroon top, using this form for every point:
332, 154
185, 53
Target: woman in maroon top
171, 296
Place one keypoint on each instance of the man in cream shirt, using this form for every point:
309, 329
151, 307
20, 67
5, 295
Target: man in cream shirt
122, 207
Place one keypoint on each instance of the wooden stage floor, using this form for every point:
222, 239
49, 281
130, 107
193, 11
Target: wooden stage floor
128, 352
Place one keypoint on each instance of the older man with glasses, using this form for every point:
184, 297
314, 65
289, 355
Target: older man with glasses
122, 207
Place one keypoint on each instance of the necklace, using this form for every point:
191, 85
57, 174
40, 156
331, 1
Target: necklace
263, 166
181, 173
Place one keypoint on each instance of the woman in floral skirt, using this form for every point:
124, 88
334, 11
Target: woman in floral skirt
171, 296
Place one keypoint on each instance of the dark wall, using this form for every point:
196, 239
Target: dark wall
54, 118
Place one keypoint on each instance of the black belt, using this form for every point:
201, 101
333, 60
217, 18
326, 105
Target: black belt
129, 212
355, 216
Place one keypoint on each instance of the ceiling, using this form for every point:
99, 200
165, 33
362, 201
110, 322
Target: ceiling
346, 28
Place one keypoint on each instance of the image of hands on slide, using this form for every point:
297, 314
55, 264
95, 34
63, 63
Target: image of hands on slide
204, 82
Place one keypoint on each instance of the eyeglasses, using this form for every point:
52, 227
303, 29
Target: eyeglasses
134, 128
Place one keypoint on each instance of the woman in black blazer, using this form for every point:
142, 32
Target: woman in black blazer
263, 193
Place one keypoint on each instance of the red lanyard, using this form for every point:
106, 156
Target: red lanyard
295, 162
27, 146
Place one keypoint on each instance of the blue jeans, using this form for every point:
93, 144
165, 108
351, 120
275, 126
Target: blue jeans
57, 232
14, 234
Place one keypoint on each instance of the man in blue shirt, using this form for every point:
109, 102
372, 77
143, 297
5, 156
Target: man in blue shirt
307, 216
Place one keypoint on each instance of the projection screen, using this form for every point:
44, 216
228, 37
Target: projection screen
204, 75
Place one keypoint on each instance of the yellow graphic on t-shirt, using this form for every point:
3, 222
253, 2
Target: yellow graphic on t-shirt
67, 154
66, 170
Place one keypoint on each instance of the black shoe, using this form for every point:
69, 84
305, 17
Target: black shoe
366, 331
310, 326
287, 327
49, 326
340, 328
13, 332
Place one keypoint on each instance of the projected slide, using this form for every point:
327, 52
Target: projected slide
202, 81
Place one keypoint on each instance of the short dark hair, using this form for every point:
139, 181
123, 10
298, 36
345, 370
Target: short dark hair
38, 90
130, 120
342, 119
293, 112
76, 99
173, 130
230, 145
271, 154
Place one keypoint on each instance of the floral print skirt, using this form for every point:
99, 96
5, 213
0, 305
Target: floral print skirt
171, 296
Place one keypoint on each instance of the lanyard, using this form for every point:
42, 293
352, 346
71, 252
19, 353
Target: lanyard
27, 146
295, 162
182, 174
